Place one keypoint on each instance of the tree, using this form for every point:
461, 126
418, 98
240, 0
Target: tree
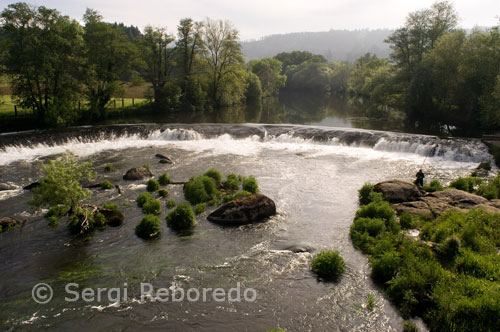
159, 59
296, 58
224, 61
268, 70
42, 55
109, 55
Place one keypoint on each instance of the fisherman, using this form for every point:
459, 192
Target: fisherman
420, 178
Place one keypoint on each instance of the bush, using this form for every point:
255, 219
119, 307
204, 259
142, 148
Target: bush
164, 179
111, 206
250, 184
486, 165
478, 266
82, 221
214, 174
385, 267
449, 249
148, 227
379, 210
328, 265
227, 198
100, 220
170, 203
233, 182
200, 189
409, 326
200, 208
106, 185
491, 189
56, 211
152, 206
433, 186
153, 185
366, 195
109, 168
143, 198
181, 217
408, 221
242, 193
373, 227
468, 184
163, 193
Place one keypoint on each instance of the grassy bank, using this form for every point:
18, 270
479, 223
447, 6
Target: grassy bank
449, 275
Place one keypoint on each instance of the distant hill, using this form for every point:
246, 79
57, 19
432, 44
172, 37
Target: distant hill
334, 45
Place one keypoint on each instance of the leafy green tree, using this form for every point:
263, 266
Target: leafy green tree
109, 55
62, 183
268, 70
224, 61
295, 58
41, 52
254, 88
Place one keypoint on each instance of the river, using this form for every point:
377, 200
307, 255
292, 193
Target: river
312, 172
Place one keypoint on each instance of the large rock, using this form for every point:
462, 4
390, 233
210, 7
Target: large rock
459, 198
6, 186
8, 222
137, 173
396, 190
416, 207
164, 159
244, 210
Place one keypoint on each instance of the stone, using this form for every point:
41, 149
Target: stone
137, 173
397, 191
244, 210
8, 222
6, 186
164, 159
416, 207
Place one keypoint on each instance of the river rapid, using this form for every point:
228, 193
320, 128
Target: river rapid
312, 173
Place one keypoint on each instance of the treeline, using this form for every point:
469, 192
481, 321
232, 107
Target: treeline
64, 71
437, 74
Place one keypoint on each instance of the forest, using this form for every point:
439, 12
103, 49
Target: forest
437, 75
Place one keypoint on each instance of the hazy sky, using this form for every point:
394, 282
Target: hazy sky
257, 18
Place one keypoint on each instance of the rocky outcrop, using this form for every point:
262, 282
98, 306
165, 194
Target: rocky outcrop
137, 173
244, 210
406, 199
8, 223
164, 159
396, 190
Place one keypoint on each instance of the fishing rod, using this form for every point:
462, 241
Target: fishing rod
427, 155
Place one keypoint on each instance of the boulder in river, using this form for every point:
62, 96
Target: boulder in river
6, 186
244, 210
137, 173
7, 223
164, 159
114, 218
397, 190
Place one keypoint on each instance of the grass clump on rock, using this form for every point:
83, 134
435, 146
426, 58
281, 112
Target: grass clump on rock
111, 206
143, 198
153, 185
109, 168
200, 189
106, 185
214, 174
328, 265
163, 193
152, 206
164, 179
148, 227
366, 195
433, 186
242, 193
170, 204
200, 208
409, 326
181, 218
233, 182
250, 184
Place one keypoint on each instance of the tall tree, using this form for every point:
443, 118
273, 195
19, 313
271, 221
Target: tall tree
42, 55
268, 70
109, 55
222, 55
159, 59
188, 46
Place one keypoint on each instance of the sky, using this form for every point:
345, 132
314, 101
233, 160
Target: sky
258, 18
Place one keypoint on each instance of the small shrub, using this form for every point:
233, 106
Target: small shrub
385, 267
100, 220
242, 193
468, 184
146, 166
163, 193
227, 198
214, 174
486, 165
233, 182
148, 227
181, 217
153, 185
379, 210
164, 179
170, 203
106, 185
109, 168
372, 227
366, 195
56, 211
250, 184
82, 221
408, 221
409, 326
143, 198
200, 189
111, 206
449, 249
152, 206
53, 222
328, 265
370, 302
433, 186
200, 208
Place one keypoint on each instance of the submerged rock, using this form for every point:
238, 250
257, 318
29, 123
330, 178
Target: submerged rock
137, 173
396, 190
7, 223
164, 159
113, 218
244, 210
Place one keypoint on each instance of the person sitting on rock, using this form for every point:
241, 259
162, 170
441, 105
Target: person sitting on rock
420, 178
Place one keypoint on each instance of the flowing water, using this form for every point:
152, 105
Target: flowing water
312, 173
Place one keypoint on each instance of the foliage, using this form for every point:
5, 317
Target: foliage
328, 265
111, 206
486, 165
366, 194
200, 189
408, 221
181, 217
468, 183
170, 204
152, 206
254, 88
370, 302
163, 193
268, 70
233, 181
381, 210
109, 168
164, 179
200, 208
214, 174
152, 185
106, 185
409, 326
143, 198
250, 184
148, 227
242, 193
433, 186
227, 198
82, 221
61, 185
490, 189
